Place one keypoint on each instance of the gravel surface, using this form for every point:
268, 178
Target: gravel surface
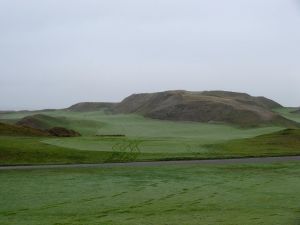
159, 163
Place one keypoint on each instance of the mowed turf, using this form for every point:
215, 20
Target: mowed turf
131, 125
266, 194
145, 139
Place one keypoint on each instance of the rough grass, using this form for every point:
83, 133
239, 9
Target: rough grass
176, 195
43, 122
288, 113
13, 130
285, 142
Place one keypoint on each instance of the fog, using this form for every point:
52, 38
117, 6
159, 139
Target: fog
56, 53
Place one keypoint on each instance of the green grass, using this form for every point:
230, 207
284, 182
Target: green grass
287, 113
93, 123
24, 150
146, 139
282, 143
165, 195
176, 195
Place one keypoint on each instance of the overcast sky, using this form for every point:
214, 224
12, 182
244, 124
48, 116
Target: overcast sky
54, 53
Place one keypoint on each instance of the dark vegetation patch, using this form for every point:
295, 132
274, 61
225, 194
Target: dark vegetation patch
51, 125
42, 121
62, 132
15, 130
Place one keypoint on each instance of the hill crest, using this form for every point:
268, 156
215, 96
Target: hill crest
54, 126
206, 106
16, 130
91, 106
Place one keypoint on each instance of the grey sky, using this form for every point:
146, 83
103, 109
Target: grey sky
54, 53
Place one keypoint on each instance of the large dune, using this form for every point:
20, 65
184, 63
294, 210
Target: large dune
208, 106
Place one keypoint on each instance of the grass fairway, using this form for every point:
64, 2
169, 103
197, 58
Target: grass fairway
266, 194
100, 123
146, 139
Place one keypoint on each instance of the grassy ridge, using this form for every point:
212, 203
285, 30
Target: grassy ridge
13, 130
288, 113
285, 142
21, 150
43, 122
177, 195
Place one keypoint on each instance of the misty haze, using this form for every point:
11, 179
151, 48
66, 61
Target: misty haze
149, 112
56, 53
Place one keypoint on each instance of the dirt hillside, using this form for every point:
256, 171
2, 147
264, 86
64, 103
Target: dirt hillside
208, 106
